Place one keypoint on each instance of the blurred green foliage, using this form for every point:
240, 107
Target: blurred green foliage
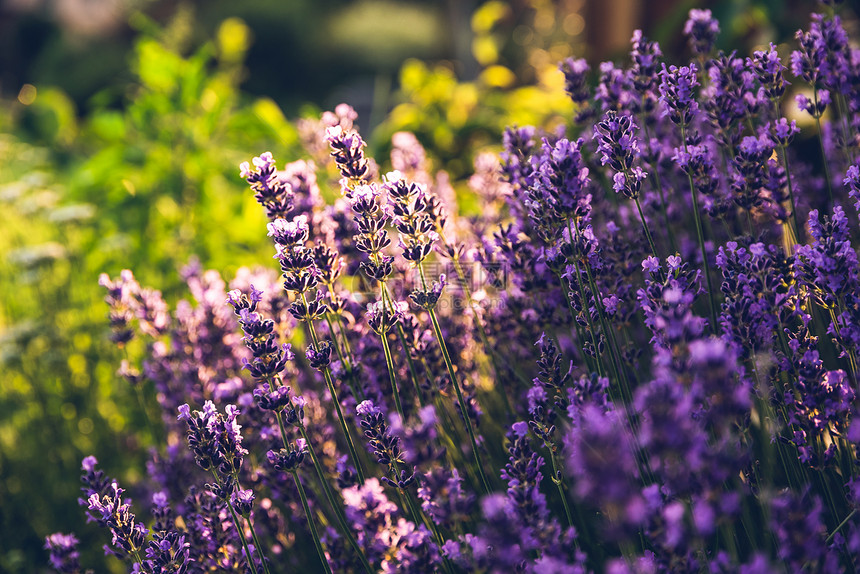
145, 186
454, 119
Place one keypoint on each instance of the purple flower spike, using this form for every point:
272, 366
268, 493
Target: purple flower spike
243, 501
677, 91
618, 147
701, 29
269, 190
64, 555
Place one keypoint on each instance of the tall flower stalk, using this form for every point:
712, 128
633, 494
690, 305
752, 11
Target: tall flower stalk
300, 278
677, 92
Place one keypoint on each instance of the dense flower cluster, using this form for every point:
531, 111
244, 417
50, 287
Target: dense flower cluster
640, 356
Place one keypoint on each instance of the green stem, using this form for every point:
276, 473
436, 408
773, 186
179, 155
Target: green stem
645, 227
136, 554
389, 361
841, 524
817, 117
559, 482
336, 507
695, 195
482, 333
241, 533
454, 381
784, 153
344, 358
258, 545
401, 336
327, 375
311, 523
586, 356
655, 178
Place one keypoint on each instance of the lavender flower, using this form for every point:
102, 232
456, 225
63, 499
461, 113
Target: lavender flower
289, 459
385, 446
769, 70
646, 56
348, 152
115, 514
270, 358
823, 58
372, 238
730, 97
269, 190
618, 147
852, 182
560, 190
216, 441
64, 555
701, 30
603, 467
168, 550
677, 87
576, 86
519, 144
751, 165
797, 522
615, 90
697, 161
409, 207
381, 319
444, 498
830, 263
523, 475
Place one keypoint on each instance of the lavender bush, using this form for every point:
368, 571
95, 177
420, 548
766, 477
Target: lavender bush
640, 356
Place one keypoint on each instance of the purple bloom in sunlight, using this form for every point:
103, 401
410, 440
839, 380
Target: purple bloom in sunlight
289, 233
115, 514
347, 149
769, 69
269, 190
651, 264
783, 131
852, 182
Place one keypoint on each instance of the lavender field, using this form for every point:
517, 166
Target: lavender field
626, 342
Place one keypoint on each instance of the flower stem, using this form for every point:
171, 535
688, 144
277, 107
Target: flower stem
482, 333
817, 117
695, 195
258, 545
645, 227
655, 178
784, 153
841, 524
311, 523
454, 381
344, 357
327, 375
336, 507
241, 533
389, 362
559, 482
599, 363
